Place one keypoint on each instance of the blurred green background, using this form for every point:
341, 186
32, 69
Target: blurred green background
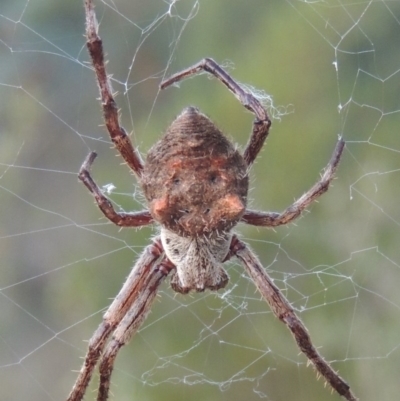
332, 67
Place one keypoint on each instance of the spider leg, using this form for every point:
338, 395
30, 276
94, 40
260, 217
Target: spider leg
284, 312
271, 219
262, 122
129, 325
142, 282
110, 109
135, 219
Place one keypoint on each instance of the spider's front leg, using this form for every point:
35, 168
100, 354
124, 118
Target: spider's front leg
270, 219
137, 295
121, 219
129, 325
284, 312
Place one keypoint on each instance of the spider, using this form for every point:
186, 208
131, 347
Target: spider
196, 184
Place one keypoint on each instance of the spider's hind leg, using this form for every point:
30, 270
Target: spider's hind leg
262, 122
117, 133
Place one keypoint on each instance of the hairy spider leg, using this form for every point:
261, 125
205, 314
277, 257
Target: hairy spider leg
285, 313
271, 219
117, 133
137, 294
262, 122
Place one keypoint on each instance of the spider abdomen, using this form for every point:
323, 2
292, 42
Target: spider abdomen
194, 178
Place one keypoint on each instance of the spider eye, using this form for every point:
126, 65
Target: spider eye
213, 178
176, 181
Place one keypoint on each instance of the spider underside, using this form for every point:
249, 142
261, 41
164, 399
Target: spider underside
196, 184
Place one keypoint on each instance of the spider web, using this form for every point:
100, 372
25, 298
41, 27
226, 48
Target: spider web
332, 67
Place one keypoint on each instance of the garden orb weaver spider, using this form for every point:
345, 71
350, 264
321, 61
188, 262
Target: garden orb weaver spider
196, 184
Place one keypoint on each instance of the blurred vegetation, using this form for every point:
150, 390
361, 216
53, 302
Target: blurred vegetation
331, 67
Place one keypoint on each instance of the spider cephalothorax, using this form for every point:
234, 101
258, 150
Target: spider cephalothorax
194, 179
196, 183
198, 260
